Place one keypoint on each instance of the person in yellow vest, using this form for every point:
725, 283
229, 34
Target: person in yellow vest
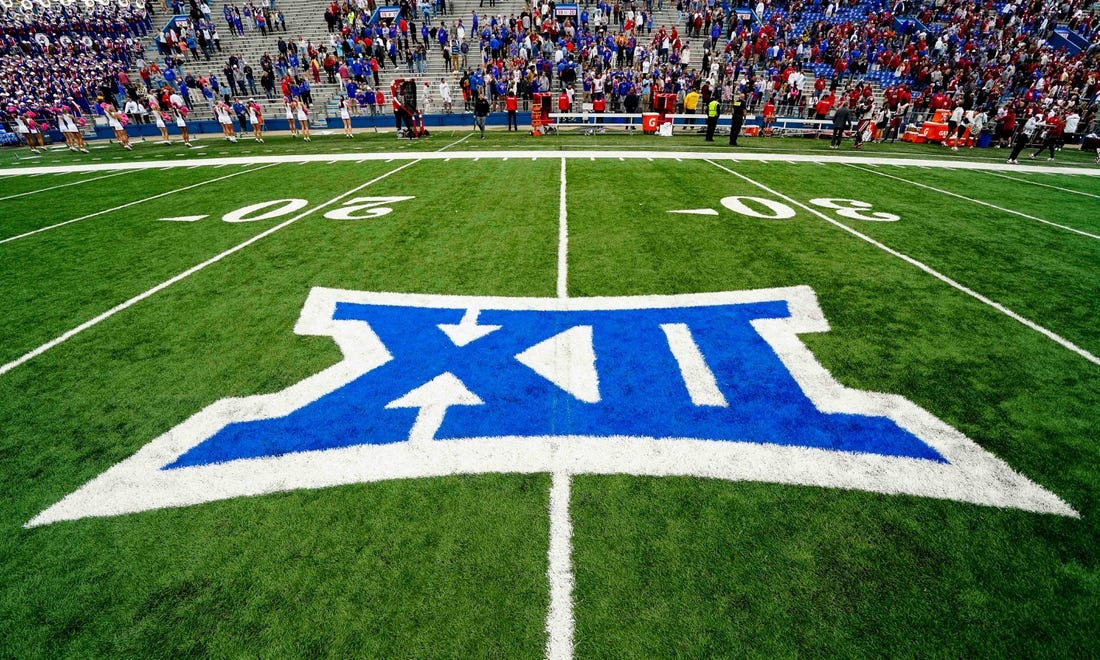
691, 103
712, 118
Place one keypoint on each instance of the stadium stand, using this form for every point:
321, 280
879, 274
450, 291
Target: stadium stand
894, 65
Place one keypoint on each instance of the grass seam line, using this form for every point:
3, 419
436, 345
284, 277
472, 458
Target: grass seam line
1045, 185
972, 200
185, 274
63, 185
1065, 343
129, 204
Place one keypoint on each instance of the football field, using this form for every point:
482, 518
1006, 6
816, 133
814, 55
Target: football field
590, 402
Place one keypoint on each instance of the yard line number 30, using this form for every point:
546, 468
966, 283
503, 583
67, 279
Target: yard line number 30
769, 209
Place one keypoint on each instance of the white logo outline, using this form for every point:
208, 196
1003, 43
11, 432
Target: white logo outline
971, 474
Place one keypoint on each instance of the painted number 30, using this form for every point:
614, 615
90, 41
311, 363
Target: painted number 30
758, 207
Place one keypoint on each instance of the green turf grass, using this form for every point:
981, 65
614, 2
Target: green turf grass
455, 567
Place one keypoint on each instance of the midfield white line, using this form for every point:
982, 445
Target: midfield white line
187, 273
1045, 185
563, 240
63, 185
559, 572
129, 204
559, 618
971, 199
928, 269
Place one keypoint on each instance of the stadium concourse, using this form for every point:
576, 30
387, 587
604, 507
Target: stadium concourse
69, 64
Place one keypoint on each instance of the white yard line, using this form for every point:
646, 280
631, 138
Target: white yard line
461, 139
559, 618
1044, 185
972, 200
520, 154
63, 185
928, 269
187, 273
129, 204
563, 240
559, 571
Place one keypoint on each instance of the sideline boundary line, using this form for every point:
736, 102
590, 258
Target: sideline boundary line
1044, 185
520, 154
974, 201
187, 273
63, 185
129, 204
1065, 343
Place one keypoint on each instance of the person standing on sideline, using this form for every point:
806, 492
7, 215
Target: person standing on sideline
842, 121
481, 111
256, 119
737, 117
955, 127
713, 109
345, 116
1052, 138
510, 104
1023, 137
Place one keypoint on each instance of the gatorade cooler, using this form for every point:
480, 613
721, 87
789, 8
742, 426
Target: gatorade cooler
665, 104
649, 122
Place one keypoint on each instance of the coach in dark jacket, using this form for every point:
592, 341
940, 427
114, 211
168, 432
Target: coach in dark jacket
842, 121
737, 117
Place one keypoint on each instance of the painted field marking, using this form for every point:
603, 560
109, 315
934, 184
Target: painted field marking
975, 201
560, 622
650, 153
183, 218
129, 204
928, 269
563, 239
696, 211
63, 185
1044, 185
187, 273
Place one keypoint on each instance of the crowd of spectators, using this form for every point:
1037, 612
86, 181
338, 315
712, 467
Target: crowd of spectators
67, 56
984, 56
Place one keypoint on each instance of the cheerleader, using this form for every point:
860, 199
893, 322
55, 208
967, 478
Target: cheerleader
345, 116
181, 123
288, 105
303, 120
221, 111
256, 118
22, 127
67, 124
114, 120
161, 118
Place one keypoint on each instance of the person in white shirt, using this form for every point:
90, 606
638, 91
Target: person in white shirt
1024, 136
445, 94
1069, 133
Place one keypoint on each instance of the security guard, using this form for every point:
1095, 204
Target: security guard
712, 118
737, 115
